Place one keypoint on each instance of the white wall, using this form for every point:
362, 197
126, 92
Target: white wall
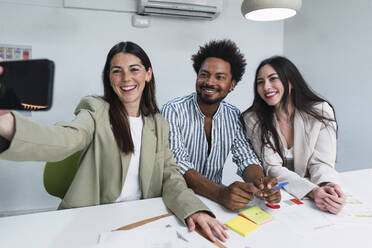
330, 41
78, 41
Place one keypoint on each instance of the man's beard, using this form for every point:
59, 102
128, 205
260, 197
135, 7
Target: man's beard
205, 99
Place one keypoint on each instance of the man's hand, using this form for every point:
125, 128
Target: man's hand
209, 225
254, 173
237, 195
265, 184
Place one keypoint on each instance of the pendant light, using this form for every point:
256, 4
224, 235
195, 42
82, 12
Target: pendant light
270, 10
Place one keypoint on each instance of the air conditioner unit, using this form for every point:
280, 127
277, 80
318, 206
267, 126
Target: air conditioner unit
195, 9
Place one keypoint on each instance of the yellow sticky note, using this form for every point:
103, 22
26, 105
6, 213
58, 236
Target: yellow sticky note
241, 225
257, 215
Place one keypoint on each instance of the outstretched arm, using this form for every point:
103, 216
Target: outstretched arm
53, 143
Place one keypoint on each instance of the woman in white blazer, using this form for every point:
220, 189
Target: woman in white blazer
294, 132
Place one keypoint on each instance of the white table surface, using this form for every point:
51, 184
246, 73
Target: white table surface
80, 227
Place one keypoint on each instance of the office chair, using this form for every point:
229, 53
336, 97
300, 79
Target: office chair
58, 176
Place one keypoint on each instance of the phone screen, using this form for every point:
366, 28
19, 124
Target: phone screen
27, 84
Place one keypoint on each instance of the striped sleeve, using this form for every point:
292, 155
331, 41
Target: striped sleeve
176, 141
243, 154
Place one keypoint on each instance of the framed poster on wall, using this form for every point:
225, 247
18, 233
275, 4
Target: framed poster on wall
15, 52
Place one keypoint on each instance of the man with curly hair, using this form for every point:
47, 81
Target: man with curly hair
204, 129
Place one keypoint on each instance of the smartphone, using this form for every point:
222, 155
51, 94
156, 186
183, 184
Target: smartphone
27, 84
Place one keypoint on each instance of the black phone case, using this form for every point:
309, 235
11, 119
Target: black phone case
27, 84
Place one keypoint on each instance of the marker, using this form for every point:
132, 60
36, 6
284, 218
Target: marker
280, 185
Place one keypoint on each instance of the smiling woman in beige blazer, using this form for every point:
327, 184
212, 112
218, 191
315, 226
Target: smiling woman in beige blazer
124, 141
294, 132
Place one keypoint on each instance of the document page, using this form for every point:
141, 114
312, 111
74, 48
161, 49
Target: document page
185, 238
144, 238
301, 217
354, 211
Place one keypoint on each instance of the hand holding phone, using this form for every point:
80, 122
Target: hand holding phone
2, 112
26, 84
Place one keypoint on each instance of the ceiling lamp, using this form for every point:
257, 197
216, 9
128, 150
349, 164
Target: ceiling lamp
270, 10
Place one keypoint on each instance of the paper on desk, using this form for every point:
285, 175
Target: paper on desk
303, 219
193, 239
144, 238
354, 211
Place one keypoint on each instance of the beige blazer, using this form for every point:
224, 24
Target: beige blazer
314, 152
103, 167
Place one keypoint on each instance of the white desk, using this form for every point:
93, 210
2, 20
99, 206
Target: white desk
81, 227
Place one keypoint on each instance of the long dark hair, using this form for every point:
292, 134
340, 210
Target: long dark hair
303, 98
118, 115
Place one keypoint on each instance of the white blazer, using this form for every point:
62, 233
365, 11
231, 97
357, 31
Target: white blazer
314, 151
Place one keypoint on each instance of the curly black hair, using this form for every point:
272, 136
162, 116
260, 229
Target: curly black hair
222, 49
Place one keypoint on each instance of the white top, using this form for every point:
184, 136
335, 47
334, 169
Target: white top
288, 153
131, 189
289, 161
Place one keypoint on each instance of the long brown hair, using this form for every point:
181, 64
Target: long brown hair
303, 98
118, 115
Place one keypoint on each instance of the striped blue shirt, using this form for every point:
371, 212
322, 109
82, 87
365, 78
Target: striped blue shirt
189, 144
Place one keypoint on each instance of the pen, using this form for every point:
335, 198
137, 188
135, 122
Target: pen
280, 185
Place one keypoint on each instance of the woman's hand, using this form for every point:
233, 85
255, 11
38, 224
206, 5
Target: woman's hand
208, 224
328, 198
334, 189
7, 123
318, 195
336, 202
